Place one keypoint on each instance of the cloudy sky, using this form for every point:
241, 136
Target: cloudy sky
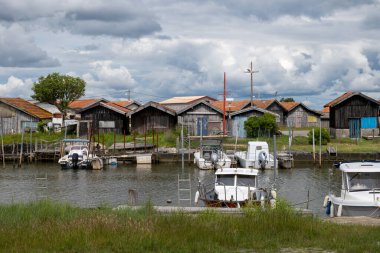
310, 50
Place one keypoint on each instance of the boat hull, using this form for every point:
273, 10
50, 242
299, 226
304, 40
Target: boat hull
370, 211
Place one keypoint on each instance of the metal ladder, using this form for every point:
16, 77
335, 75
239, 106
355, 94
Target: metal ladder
41, 186
184, 186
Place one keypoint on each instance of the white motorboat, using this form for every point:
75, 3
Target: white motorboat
77, 156
257, 156
235, 187
360, 191
211, 155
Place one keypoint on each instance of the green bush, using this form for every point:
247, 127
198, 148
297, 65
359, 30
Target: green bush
263, 124
41, 125
325, 136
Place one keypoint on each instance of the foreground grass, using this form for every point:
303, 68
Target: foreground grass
52, 227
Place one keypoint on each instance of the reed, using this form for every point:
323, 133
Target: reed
52, 227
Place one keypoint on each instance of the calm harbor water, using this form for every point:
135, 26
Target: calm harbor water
156, 182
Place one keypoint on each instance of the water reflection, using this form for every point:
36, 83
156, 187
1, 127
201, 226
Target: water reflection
157, 182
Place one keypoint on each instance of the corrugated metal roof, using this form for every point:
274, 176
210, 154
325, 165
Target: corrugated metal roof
27, 107
48, 107
123, 103
184, 100
231, 106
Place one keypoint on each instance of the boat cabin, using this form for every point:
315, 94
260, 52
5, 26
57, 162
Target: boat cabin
210, 148
255, 148
360, 176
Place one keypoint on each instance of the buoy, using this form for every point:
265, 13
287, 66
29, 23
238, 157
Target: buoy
326, 200
332, 210
196, 199
262, 201
339, 212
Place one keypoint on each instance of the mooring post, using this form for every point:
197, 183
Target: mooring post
313, 146
114, 141
22, 146
2, 142
274, 157
124, 138
320, 144
308, 199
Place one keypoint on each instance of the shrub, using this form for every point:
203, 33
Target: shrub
254, 125
325, 136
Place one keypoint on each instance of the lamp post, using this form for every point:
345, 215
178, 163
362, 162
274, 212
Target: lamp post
251, 71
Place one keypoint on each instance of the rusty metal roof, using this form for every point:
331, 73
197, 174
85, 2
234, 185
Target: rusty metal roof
339, 99
118, 107
79, 104
231, 106
27, 107
185, 100
289, 105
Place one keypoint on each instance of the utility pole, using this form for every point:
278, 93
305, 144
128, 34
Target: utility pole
224, 106
251, 71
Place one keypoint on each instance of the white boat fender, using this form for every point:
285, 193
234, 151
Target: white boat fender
196, 199
262, 200
272, 203
339, 212
274, 194
325, 201
332, 210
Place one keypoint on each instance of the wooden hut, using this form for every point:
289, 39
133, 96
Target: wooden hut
152, 115
103, 114
239, 117
129, 104
353, 115
17, 114
201, 118
299, 115
274, 106
179, 103
76, 106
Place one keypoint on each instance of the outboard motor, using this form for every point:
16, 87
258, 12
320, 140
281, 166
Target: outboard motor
263, 159
75, 159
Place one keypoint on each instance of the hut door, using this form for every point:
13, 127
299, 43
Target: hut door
354, 125
202, 126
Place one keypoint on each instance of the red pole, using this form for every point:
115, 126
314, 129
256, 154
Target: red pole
224, 106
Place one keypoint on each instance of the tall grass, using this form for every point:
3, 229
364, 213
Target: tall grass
51, 227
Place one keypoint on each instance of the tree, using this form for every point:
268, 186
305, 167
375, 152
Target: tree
287, 100
254, 125
58, 89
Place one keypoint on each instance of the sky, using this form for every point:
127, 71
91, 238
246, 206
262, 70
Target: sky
150, 50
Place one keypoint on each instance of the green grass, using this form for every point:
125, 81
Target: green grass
52, 227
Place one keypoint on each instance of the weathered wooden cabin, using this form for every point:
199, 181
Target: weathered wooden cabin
353, 115
101, 115
76, 106
274, 106
151, 116
129, 104
299, 115
201, 118
236, 124
179, 103
17, 114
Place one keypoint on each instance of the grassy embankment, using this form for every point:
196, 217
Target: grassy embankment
168, 139
51, 227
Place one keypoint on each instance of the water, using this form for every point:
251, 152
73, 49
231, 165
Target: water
157, 183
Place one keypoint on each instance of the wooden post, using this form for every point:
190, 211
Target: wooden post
124, 138
274, 157
313, 146
157, 140
153, 138
134, 142
22, 147
2, 143
114, 141
320, 145
188, 136
103, 141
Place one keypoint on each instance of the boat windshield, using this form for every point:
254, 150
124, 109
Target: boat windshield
246, 180
363, 181
228, 180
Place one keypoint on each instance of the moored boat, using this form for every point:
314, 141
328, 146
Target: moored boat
257, 156
211, 155
234, 188
360, 191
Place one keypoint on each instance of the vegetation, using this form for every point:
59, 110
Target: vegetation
51, 227
287, 100
325, 136
58, 89
256, 125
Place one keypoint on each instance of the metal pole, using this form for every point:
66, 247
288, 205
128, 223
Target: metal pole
2, 142
224, 106
320, 145
251, 72
22, 146
183, 158
274, 157
313, 146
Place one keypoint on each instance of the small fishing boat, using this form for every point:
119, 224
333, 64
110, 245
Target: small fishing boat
257, 156
211, 155
360, 191
235, 188
77, 156
285, 160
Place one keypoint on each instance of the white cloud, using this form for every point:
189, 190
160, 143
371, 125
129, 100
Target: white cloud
15, 87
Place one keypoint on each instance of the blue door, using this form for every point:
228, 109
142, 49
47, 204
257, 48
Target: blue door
202, 126
354, 125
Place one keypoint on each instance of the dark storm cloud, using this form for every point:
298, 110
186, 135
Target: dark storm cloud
373, 58
18, 50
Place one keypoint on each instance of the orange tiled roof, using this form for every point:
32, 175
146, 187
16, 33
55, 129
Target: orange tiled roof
116, 106
289, 105
123, 103
231, 106
263, 104
185, 100
340, 98
326, 109
77, 104
27, 107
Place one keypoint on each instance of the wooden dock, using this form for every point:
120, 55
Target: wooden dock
197, 210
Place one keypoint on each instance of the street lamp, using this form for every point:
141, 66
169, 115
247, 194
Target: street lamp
251, 71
